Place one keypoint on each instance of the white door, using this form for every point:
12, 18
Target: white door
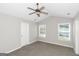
24, 33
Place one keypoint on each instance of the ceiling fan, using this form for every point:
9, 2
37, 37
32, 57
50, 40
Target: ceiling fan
38, 10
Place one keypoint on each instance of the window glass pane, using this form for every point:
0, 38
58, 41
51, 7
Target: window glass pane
65, 34
64, 27
42, 30
64, 31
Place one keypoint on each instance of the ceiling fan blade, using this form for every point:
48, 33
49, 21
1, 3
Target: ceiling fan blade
38, 15
42, 8
32, 13
44, 12
30, 8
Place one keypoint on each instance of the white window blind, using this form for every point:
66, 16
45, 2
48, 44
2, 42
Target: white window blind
64, 31
42, 30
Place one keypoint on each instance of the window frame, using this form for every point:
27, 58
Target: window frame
64, 31
40, 34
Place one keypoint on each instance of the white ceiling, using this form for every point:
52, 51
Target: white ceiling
53, 9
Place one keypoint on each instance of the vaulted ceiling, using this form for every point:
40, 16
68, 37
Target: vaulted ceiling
68, 10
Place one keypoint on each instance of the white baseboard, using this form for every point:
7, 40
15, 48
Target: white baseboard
20, 47
13, 50
56, 44
33, 41
36, 41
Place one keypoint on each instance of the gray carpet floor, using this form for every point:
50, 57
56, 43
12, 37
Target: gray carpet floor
42, 49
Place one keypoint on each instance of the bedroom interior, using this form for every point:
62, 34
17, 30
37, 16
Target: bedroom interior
39, 29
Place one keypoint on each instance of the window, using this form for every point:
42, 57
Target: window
64, 31
42, 30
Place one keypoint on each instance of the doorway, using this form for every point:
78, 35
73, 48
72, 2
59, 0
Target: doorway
24, 33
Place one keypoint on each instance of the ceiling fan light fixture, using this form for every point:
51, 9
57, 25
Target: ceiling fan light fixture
37, 12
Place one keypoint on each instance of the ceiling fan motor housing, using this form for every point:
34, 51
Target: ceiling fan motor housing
37, 10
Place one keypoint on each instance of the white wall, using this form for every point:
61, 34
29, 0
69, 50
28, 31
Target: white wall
76, 34
33, 32
9, 33
52, 30
10, 36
